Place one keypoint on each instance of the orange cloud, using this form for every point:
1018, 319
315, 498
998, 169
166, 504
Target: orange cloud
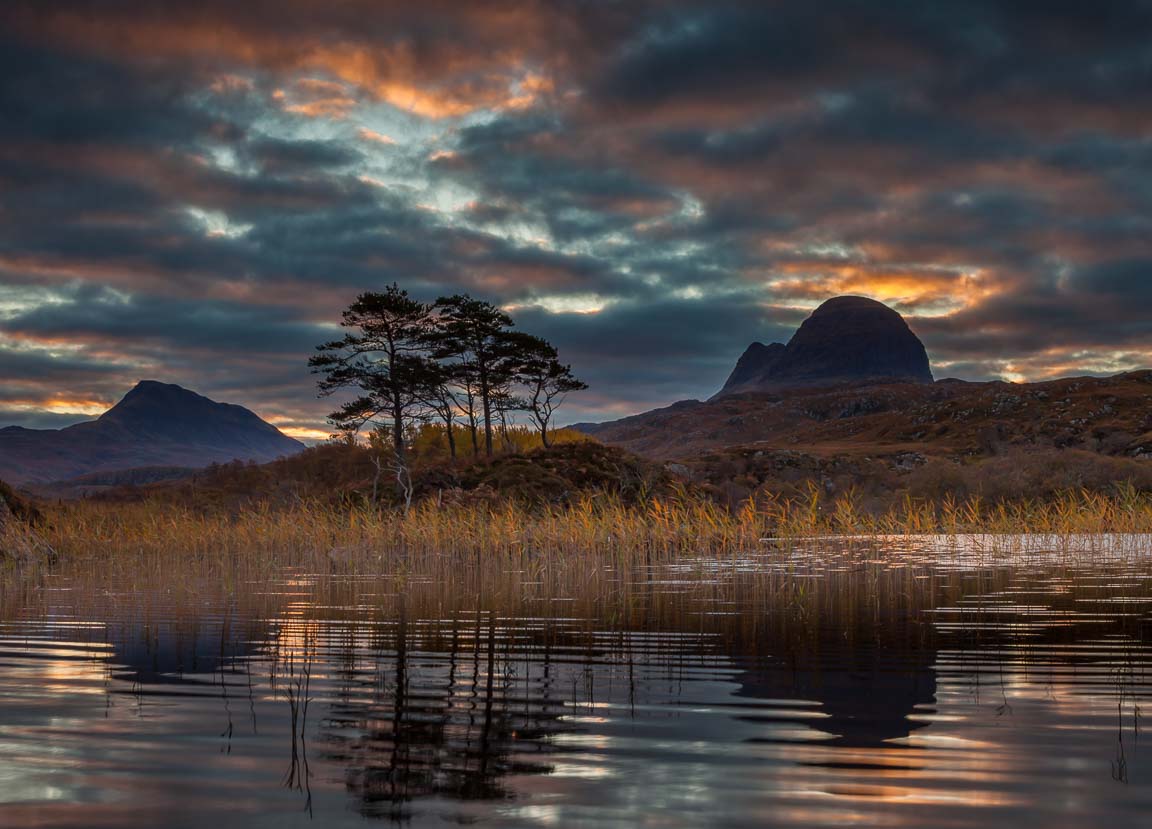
329, 108
947, 290
371, 135
57, 404
63, 405
316, 98
1054, 363
304, 433
345, 45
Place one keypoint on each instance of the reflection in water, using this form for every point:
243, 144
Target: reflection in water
913, 689
435, 716
867, 695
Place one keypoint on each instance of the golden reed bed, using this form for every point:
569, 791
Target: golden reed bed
594, 528
668, 559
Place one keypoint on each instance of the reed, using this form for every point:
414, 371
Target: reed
597, 528
680, 562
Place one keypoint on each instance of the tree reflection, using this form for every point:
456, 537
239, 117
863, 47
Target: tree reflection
418, 706
435, 723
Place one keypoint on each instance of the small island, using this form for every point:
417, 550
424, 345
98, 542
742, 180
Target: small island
571, 414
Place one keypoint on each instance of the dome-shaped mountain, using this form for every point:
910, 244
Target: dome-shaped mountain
851, 338
847, 339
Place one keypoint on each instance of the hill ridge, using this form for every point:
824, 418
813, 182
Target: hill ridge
954, 418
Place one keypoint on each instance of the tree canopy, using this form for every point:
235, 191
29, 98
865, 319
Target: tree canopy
458, 359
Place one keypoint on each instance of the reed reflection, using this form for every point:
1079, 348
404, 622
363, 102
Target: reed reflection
871, 684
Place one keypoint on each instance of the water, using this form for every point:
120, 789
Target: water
939, 684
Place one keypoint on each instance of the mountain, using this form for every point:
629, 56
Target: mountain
755, 365
847, 339
155, 424
854, 382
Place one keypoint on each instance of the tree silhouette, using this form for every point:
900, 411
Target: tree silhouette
459, 357
472, 336
383, 357
435, 390
547, 381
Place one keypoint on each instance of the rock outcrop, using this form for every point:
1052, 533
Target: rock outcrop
755, 365
847, 339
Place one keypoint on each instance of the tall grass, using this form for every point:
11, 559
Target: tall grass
592, 528
665, 562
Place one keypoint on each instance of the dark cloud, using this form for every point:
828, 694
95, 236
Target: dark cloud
193, 191
726, 52
688, 347
1127, 280
277, 156
147, 322
51, 95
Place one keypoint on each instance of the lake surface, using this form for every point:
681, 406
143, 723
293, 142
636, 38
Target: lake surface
892, 683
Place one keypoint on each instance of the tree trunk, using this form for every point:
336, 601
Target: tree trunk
504, 431
448, 423
398, 435
486, 402
472, 423
403, 481
378, 463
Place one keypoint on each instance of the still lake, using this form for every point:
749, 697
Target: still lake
926, 682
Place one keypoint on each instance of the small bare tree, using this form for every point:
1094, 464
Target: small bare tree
546, 380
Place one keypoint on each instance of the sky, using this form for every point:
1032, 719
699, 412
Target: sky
191, 192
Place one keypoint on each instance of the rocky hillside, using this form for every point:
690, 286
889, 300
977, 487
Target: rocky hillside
754, 367
847, 339
1111, 415
882, 441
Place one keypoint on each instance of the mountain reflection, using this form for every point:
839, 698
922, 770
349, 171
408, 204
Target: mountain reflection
866, 694
186, 651
414, 710
339, 706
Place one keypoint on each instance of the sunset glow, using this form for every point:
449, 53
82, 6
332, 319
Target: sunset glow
195, 192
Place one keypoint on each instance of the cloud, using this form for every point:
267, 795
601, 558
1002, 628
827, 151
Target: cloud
194, 192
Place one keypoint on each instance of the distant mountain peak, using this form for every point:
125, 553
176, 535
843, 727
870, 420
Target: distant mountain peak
158, 389
846, 339
851, 302
154, 386
155, 393
154, 424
